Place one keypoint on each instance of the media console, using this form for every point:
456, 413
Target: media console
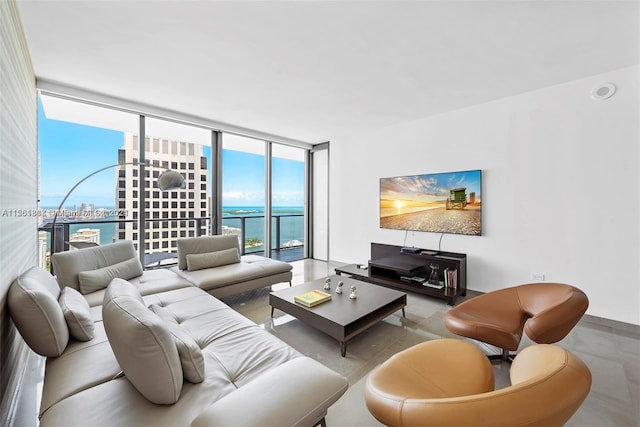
434, 273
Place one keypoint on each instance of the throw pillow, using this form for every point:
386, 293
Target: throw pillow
212, 259
94, 280
77, 314
142, 344
202, 244
190, 353
34, 308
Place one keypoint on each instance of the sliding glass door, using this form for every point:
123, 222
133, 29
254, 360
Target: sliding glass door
263, 188
288, 202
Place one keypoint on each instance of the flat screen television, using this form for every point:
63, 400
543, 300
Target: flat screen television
448, 202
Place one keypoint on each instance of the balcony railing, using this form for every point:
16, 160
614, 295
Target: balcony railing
197, 227
243, 223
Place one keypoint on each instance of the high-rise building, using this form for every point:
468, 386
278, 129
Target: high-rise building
43, 250
91, 235
167, 213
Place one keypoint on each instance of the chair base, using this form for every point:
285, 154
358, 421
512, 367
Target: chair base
505, 356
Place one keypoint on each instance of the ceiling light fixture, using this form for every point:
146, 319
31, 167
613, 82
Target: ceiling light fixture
603, 92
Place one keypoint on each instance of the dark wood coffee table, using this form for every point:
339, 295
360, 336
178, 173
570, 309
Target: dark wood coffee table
342, 317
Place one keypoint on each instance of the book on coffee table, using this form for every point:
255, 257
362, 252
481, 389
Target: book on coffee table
312, 298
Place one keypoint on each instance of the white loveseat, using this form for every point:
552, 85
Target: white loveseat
157, 350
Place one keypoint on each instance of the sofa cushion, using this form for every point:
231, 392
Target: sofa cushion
142, 344
34, 308
81, 366
190, 353
212, 259
67, 265
77, 314
310, 388
93, 280
159, 280
250, 268
150, 282
203, 244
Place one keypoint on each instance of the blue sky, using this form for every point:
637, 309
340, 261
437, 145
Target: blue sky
429, 187
69, 152
243, 180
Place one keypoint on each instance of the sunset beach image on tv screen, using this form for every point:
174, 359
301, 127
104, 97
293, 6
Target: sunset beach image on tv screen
448, 202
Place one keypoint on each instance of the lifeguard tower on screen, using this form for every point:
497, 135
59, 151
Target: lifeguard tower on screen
457, 198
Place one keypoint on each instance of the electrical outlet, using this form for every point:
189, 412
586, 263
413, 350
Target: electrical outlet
537, 276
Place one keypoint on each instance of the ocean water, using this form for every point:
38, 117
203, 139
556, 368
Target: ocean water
107, 231
291, 227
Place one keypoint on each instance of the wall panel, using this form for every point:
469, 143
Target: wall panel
18, 203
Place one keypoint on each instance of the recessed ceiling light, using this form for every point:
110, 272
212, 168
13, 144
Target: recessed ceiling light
603, 92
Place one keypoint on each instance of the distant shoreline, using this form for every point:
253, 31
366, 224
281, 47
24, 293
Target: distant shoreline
389, 212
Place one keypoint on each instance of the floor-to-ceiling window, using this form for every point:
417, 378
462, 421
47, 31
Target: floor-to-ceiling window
174, 214
243, 191
74, 140
258, 187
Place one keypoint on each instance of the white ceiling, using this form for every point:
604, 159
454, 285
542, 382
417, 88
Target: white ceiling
311, 70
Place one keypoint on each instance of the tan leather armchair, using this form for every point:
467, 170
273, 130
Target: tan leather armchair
449, 382
545, 311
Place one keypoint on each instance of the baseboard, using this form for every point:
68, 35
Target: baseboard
615, 326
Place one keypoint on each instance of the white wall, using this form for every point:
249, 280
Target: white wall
560, 188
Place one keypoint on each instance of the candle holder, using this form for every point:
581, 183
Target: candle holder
354, 292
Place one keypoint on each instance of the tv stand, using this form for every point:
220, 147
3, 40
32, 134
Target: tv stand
390, 266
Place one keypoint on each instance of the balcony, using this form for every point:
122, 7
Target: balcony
162, 251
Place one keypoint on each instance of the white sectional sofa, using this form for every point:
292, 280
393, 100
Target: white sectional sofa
157, 350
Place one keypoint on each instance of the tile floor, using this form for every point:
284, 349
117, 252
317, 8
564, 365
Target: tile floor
611, 350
